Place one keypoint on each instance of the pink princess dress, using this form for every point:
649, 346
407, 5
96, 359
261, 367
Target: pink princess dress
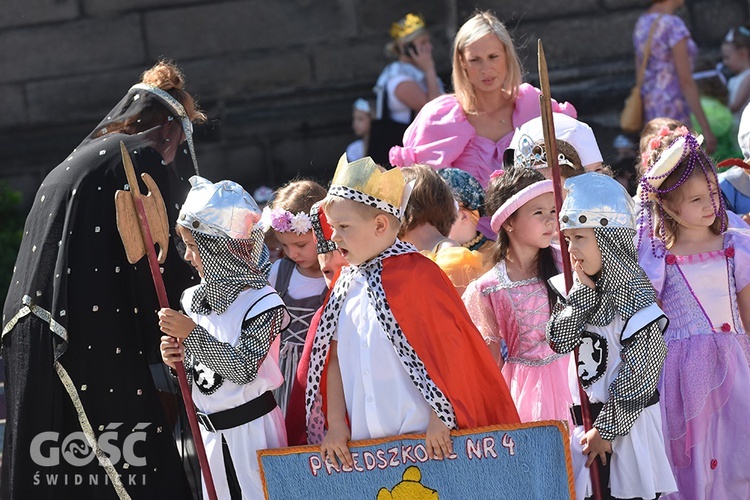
517, 312
705, 383
441, 136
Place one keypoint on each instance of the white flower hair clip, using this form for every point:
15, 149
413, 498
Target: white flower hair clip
283, 221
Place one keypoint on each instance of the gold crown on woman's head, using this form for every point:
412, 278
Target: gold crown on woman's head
363, 181
406, 26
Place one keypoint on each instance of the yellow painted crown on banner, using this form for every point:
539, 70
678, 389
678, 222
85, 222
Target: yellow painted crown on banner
407, 26
365, 176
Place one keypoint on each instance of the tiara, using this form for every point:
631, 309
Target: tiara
525, 157
363, 182
406, 26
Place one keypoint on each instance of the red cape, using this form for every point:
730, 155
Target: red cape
435, 321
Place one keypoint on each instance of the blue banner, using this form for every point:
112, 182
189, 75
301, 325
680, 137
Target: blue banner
526, 461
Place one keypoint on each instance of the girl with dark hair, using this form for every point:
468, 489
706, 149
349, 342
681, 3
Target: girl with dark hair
511, 302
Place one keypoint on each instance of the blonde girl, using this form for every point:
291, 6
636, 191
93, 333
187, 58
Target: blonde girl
698, 268
297, 277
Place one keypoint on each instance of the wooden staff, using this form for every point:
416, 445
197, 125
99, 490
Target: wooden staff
550, 146
137, 238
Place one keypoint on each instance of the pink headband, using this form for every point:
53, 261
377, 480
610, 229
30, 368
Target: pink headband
518, 200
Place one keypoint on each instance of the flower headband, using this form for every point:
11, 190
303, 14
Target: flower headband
655, 141
518, 200
283, 221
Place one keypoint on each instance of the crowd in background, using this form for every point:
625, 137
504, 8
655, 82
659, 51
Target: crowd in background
434, 245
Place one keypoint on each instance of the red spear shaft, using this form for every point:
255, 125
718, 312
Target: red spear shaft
161, 293
550, 146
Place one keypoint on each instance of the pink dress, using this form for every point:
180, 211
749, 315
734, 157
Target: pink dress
705, 383
441, 136
517, 312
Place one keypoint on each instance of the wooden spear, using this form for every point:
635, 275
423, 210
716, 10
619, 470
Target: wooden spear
139, 238
550, 146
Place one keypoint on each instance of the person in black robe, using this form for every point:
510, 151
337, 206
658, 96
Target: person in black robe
84, 418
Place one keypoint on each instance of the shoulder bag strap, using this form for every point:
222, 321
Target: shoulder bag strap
647, 52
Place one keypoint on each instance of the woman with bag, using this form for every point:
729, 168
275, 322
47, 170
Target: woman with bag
404, 86
668, 89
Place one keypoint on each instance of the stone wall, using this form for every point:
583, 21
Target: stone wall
278, 77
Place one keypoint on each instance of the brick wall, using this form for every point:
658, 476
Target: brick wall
278, 77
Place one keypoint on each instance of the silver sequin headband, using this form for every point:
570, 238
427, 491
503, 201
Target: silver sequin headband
178, 110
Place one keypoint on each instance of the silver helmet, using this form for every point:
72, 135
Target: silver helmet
596, 200
219, 209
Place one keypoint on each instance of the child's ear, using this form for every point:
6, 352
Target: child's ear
381, 224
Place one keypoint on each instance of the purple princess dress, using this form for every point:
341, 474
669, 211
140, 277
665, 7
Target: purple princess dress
705, 383
517, 312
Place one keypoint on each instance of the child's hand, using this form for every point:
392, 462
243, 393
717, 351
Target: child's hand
438, 439
335, 446
175, 323
172, 351
594, 445
582, 276
746, 218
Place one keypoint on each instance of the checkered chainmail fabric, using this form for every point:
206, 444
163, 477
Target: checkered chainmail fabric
229, 266
209, 361
625, 290
642, 356
623, 286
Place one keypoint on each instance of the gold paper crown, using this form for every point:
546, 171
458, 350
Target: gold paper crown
407, 26
364, 176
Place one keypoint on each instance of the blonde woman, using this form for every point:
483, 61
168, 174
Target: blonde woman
471, 129
404, 86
